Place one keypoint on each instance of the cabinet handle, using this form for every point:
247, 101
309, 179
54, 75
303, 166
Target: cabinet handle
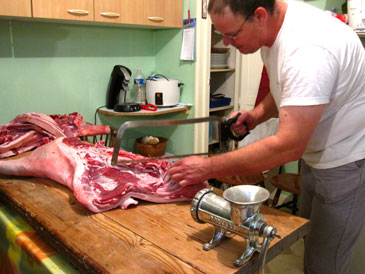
109, 14
78, 12
155, 19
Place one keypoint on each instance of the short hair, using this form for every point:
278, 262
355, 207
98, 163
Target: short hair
242, 7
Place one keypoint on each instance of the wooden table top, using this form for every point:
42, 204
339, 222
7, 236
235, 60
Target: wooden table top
148, 238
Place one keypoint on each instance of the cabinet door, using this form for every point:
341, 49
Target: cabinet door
119, 11
250, 79
81, 10
15, 8
167, 13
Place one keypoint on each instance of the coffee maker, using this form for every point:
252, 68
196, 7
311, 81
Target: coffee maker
117, 90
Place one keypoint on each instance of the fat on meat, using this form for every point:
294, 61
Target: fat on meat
86, 169
31, 130
42, 120
74, 125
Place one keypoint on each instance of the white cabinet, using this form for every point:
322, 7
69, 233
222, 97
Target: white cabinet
240, 81
250, 75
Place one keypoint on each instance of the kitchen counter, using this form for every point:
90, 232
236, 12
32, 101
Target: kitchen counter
148, 238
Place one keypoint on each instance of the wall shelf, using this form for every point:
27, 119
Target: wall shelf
361, 34
220, 108
222, 69
179, 108
213, 142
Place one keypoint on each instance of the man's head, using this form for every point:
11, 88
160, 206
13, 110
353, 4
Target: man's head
247, 24
242, 7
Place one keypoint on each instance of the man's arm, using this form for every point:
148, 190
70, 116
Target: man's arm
265, 110
296, 125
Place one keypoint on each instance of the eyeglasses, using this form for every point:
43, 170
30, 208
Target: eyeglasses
233, 37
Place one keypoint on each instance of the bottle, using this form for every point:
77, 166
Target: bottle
139, 88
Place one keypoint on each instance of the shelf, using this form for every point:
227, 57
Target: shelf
179, 108
361, 34
220, 108
213, 142
222, 69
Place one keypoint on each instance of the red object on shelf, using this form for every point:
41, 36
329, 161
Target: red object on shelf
149, 107
342, 17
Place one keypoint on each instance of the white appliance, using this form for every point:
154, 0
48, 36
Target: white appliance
356, 14
162, 91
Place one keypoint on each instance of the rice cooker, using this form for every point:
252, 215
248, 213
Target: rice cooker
162, 91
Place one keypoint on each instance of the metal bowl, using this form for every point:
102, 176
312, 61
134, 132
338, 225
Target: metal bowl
246, 194
245, 201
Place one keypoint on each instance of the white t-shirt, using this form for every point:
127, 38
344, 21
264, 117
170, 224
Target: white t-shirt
317, 59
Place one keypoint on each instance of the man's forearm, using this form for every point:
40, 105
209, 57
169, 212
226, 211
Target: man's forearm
265, 110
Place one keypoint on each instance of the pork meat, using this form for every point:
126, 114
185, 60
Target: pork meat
85, 168
31, 130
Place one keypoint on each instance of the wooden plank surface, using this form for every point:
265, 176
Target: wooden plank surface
148, 238
94, 243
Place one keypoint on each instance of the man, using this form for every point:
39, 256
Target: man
316, 67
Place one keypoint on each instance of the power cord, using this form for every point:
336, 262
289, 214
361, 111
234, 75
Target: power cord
96, 111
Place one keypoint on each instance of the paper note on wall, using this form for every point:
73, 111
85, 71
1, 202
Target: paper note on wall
187, 49
188, 43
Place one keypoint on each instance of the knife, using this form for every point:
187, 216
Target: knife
161, 158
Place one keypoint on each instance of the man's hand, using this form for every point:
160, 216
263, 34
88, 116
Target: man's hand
191, 170
239, 127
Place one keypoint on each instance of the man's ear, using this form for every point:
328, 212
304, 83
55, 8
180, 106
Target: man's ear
261, 15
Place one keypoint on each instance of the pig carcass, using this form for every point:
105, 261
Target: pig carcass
86, 169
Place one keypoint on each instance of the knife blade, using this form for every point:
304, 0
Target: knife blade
161, 158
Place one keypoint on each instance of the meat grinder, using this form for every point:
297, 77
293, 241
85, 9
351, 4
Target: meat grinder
236, 213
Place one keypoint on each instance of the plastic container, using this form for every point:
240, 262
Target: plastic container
139, 88
219, 102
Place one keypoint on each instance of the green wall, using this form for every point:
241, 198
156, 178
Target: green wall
326, 4
62, 68
59, 68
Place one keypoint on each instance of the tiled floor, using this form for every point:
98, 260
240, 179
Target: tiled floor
290, 261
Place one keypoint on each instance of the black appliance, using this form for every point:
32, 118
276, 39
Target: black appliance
127, 107
118, 86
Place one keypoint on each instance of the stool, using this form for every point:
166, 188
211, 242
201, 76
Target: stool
254, 179
288, 182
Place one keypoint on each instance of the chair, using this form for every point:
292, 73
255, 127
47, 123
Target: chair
254, 179
288, 182
108, 138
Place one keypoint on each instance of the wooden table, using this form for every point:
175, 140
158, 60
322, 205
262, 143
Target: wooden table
148, 238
